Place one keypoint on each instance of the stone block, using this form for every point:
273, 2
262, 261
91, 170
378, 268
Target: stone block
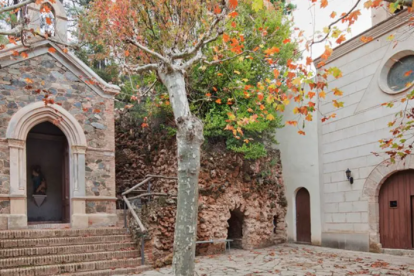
331, 207
79, 221
339, 217
353, 217
360, 206
345, 207
353, 196
102, 220
17, 221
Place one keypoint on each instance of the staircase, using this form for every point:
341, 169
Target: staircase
92, 252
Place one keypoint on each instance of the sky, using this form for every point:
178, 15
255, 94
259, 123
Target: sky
311, 18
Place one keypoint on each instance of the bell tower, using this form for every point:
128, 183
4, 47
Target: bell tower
49, 19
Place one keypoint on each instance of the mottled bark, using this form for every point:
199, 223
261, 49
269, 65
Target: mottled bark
189, 139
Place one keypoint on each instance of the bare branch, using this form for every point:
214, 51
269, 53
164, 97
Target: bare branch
142, 68
13, 7
147, 50
205, 39
335, 22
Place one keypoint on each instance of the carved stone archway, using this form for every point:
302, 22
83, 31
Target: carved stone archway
371, 191
19, 126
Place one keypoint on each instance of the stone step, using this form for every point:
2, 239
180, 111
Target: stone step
70, 269
66, 259
45, 242
60, 233
59, 250
116, 271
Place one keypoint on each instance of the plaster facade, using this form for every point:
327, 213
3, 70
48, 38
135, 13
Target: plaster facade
350, 212
345, 215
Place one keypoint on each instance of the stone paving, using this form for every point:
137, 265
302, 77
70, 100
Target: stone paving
292, 260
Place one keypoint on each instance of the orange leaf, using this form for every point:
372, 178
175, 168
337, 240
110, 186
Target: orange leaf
217, 10
309, 61
52, 50
366, 39
126, 53
322, 94
233, 4
233, 14
286, 41
96, 111
324, 3
48, 21
292, 123
218, 101
226, 37
341, 39
15, 53
408, 73
333, 14
260, 96
65, 50
301, 132
276, 73
24, 55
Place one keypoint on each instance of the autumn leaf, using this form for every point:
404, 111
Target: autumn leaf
233, 14
408, 73
324, 3
52, 50
327, 53
208, 95
233, 4
333, 14
366, 39
301, 132
15, 53
286, 41
218, 101
338, 104
309, 61
24, 55
260, 96
270, 117
226, 37
341, 39
126, 53
217, 10
257, 5
276, 73
322, 94
28, 80
292, 123
337, 92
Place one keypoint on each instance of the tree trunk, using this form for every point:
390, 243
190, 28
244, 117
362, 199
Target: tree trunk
189, 139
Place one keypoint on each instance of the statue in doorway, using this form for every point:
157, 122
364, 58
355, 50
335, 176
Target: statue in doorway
47, 20
39, 181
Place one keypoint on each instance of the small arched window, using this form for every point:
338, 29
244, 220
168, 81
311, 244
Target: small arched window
47, 20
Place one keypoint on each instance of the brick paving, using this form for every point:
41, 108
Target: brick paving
302, 260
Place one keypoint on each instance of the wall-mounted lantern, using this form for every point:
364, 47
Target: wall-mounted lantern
348, 175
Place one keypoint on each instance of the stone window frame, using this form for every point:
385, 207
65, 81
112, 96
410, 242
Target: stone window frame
19, 126
385, 70
370, 193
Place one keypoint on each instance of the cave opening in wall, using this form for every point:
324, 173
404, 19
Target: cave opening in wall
235, 228
47, 165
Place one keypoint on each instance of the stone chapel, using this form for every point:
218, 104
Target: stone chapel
57, 160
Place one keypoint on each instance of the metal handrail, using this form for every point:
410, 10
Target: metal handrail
146, 193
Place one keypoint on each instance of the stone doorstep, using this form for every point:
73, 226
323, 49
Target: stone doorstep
57, 233
72, 268
66, 259
59, 250
399, 252
44, 242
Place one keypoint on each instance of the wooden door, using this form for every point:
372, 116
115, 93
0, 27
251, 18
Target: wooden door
396, 211
65, 184
303, 216
412, 221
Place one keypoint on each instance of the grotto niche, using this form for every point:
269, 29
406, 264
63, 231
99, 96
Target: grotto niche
235, 229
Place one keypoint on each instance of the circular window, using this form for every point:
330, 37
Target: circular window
397, 74
401, 73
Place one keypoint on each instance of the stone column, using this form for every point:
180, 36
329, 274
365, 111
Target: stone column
79, 218
18, 183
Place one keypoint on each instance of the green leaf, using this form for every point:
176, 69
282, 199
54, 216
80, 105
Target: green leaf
257, 5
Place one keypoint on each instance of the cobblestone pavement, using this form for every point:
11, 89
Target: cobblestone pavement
292, 259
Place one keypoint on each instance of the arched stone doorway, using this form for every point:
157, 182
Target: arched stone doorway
17, 134
47, 162
303, 216
396, 210
371, 191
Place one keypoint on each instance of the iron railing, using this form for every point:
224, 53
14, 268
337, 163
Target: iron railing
136, 201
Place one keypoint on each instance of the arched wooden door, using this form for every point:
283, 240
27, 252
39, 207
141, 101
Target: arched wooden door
303, 216
396, 206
